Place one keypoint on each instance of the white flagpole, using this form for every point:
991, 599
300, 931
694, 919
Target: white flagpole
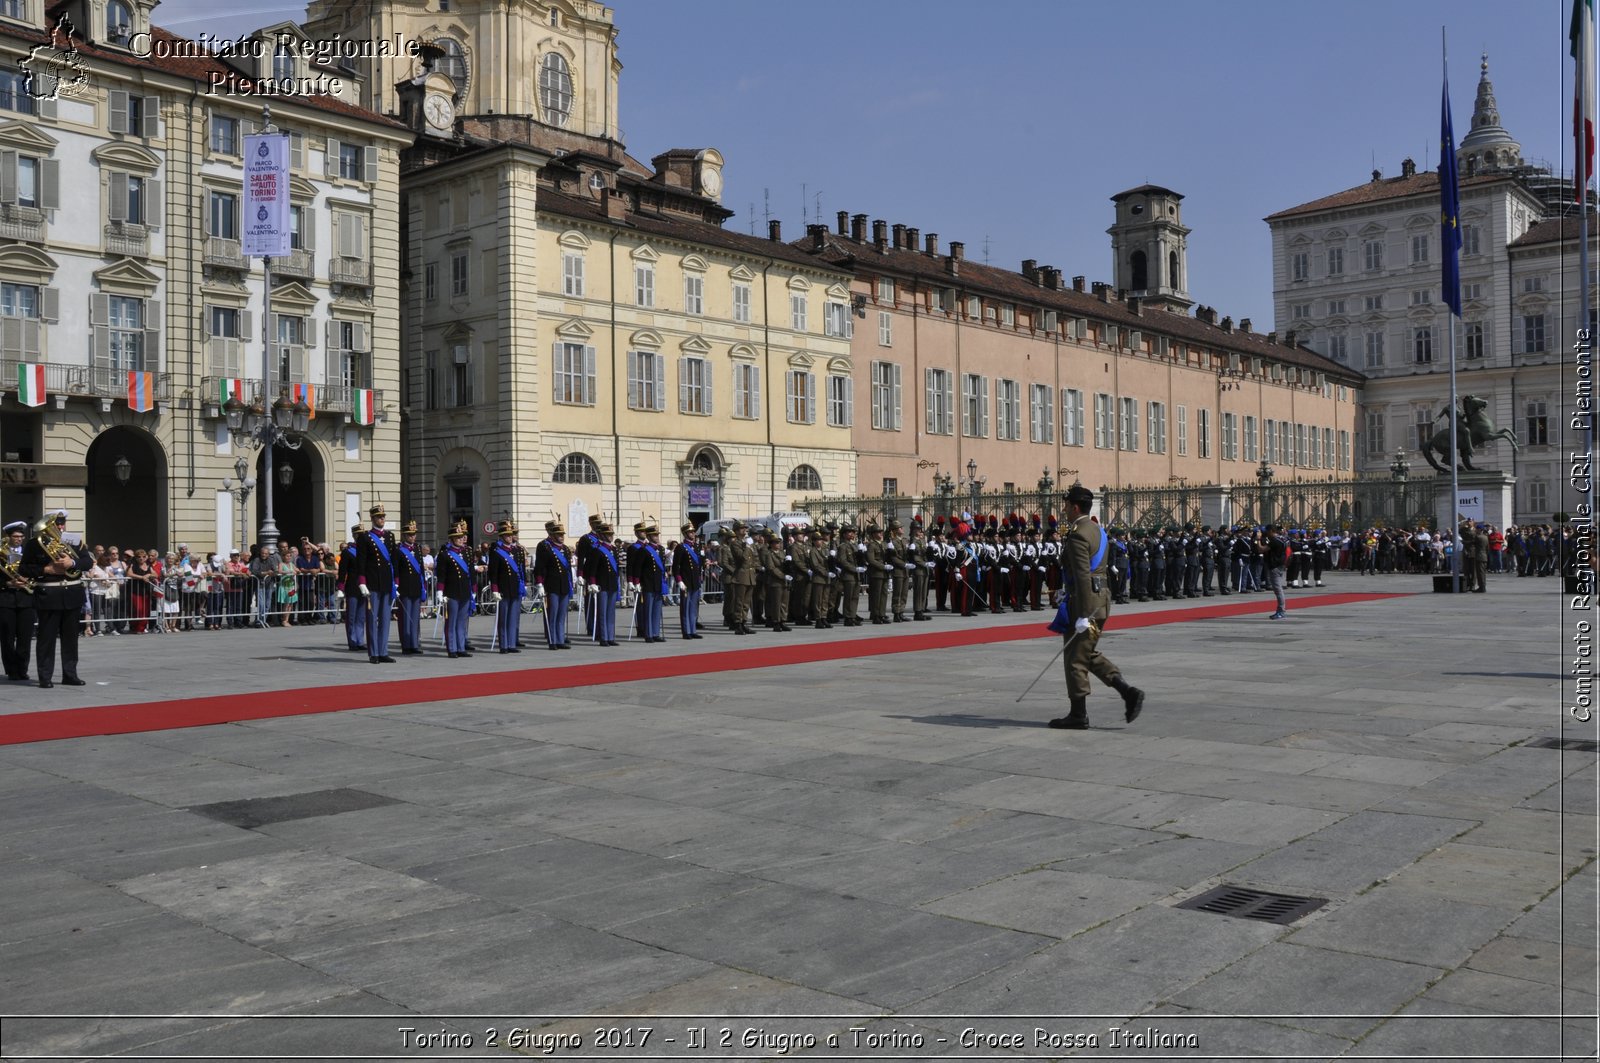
1455, 428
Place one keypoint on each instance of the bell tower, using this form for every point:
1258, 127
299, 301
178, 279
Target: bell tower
1150, 248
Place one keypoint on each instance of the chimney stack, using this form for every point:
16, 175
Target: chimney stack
1289, 338
958, 250
613, 204
1077, 283
1408, 167
844, 223
1244, 325
931, 243
819, 236
858, 228
775, 230
911, 238
1030, 269
1052, 278
1133, 306
1227, 324
1272, 337
899, 236
880, 233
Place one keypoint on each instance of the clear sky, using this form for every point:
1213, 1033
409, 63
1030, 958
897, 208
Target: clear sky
1010, 125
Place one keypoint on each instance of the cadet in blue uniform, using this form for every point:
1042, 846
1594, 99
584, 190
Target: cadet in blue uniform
508, 568
455, 569
650, 574
553, 572
409, 589
688, 569
348, 582
376, 584
604, 574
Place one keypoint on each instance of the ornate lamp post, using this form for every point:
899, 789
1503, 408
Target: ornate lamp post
974, 483
1400, 467
944, 486
1046, 485
888, 505
1264, 479
241, 490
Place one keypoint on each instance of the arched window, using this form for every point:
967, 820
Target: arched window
576, 468
119, 23
1141, 272
555, 88
1172, 272
705, 463
453, 63
804, 478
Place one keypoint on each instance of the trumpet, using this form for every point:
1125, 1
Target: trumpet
11, 573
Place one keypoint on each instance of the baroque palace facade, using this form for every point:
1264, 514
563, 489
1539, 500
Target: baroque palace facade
120, 190
581, 333
1357, 275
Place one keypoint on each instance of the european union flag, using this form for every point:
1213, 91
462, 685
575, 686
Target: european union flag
1449, 208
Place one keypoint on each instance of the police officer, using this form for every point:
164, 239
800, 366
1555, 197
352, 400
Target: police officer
409, 589
689, 571
455, 569
1085, 552
17, 617
554, 576
508, 575
376, 584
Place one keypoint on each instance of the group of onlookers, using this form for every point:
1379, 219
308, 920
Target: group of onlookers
1527, 550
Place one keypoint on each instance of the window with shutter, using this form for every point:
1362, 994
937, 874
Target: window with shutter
370, 159
117, 101
330, 159
117, 197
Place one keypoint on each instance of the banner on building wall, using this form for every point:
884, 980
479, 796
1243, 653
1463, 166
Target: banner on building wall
306, 393
362, 406
264, 232
232, 390
141, 392
30, 384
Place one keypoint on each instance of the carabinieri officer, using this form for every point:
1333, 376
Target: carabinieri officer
688, 568
552, 571
376, 584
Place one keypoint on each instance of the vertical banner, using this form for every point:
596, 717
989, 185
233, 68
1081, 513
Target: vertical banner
30, 384
232, 390
265, 229
306, 393
141, 391
362, 407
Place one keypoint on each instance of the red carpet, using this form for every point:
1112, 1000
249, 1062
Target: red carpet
759, 651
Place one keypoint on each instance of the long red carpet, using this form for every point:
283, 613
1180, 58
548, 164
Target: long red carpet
756, 652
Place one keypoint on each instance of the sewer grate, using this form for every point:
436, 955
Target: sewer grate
1242, 902
1583, 745
260, 811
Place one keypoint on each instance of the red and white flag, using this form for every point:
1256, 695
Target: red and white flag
232, 389
30, 384
363, 406
1582, 38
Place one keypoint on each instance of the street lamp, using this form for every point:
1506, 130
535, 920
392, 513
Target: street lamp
1264, 473
241, 490
1046, 485
974, 483
1400, 467
122, 468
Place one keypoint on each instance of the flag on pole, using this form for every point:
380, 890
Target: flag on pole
1450, 206
1582, 38
232, 390
30, 384
306, 393
363, 406
141, 391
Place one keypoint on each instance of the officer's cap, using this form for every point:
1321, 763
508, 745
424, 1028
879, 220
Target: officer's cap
409, 528
376, 511
16, 525
508, 527
1080, 495
554, 527
686, 529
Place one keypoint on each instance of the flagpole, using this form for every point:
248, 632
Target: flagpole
1450, 236
268, 536
1580, 177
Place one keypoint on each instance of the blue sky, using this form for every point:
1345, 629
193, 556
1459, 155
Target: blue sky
1013, 124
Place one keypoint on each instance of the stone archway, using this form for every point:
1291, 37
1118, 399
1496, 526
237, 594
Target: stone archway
126, 498
702, 477
298, 505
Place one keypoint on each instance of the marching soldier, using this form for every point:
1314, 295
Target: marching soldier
376, 584
604, 577
689, 570
1086, 608
851, 570
508, 566
554, 577
347, 581
409, 589
455, 569
17, 617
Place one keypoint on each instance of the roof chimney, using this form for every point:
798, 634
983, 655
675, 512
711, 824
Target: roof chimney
844, 222
613, 203
819, 236
1078, 283
858, 228
1377, 175
1030, 269
1272, 337
1052, 278
1408, 167
1133, 306
931, 242
911, 238
1289, 337
880, 233
1208, 314
899, 236
1227, 323
1102, 291
775, 230
958, 250
1244, 325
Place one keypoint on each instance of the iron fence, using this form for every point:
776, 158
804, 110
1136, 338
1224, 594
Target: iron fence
951, 506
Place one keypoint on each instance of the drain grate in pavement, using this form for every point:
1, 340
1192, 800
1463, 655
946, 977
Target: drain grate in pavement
1582, 745
1241, 902
259, 811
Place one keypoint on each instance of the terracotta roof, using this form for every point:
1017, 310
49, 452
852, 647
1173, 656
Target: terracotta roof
1015, 287
1554, 230
201, 69
1419, 184
685, 229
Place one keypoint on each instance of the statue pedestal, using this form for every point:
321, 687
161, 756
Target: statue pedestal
1488, 491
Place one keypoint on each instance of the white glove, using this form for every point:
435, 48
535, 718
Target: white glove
911, 566
681, 587
538, 590
929, 564
339, 595
1027, 568
494, 596
788, 579
1005, 572
365, 593
592, 589
1081, 626
861, 570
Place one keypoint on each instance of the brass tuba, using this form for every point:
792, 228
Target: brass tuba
49, 538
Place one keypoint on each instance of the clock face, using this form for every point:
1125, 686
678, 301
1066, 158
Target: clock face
711, 182
438, 111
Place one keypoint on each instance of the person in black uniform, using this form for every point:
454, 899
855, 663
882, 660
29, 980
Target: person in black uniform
455, 569
1224, 548
348, 581
56, 569
689, 571
16, 604
375, 583
507, 576
1321, 554
554, 575
1139, 565
1158, 565
408, 593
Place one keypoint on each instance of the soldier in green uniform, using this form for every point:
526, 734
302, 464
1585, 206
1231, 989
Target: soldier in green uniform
1086, 550
778, 580
877, 576
899, 560
739, 576
798, 553
921, 556
851, 569
820, 576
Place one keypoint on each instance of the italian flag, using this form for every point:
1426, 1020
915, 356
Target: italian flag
30, 384
306, 393
141, 391
363, 407
232, 389
1582, 37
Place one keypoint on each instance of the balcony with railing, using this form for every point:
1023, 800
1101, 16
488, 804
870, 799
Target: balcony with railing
220, 251
22, 223
86, 381
341, 398
127, 239
212, 398
295, 264
352, 271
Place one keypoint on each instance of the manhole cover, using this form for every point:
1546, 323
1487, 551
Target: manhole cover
1582, 745
1241, 902
259, 811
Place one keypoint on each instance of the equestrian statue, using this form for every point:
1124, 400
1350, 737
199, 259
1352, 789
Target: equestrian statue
1474, 429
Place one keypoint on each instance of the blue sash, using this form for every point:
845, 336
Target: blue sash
382, 547
605, 552
561, 555
511, 563
660, 565
411, 559
694, 558
1064, 620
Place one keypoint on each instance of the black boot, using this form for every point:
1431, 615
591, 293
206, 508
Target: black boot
1075, 720
1132, 699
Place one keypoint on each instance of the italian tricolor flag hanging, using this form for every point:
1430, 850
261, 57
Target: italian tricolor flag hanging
30, 384
1581, 36
363, 406
141, 392
232, 390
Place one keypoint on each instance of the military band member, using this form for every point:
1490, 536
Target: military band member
688, 570
605, 576
508, 577
455, 570
409, 589
556, 579
58, 597
851, 571
376, 584
348, 585
17, 615
1087, 605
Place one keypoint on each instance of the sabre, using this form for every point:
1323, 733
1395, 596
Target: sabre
544, 611
1051, 663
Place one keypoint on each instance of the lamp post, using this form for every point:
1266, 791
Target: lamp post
122, 469
974, 484
888, 496
944, 486
1046, 485
1264, 479
1400, 468
241, 491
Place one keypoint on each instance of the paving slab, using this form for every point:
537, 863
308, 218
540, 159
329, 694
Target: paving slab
1404, 925
1056, 903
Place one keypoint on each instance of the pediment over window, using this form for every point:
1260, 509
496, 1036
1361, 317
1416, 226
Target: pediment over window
1422, 221
294, 294
1302, 240
798, 283
839, 366
800, 361
1372, 229
1334, 234
742, 273
27, 137
457, 333
695, 345
20, 258
743, 351
574, 239
839, 292
645, 253
122, 155
694, 264
645, 339
300, 188
126, 274
574, 329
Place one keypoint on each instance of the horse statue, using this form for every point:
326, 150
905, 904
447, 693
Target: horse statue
1474, 429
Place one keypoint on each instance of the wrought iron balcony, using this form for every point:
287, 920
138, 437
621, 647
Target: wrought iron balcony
127, 238
226, 253
86, 381
340, 398
295, 264
211, 398
352, 271
22, 223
